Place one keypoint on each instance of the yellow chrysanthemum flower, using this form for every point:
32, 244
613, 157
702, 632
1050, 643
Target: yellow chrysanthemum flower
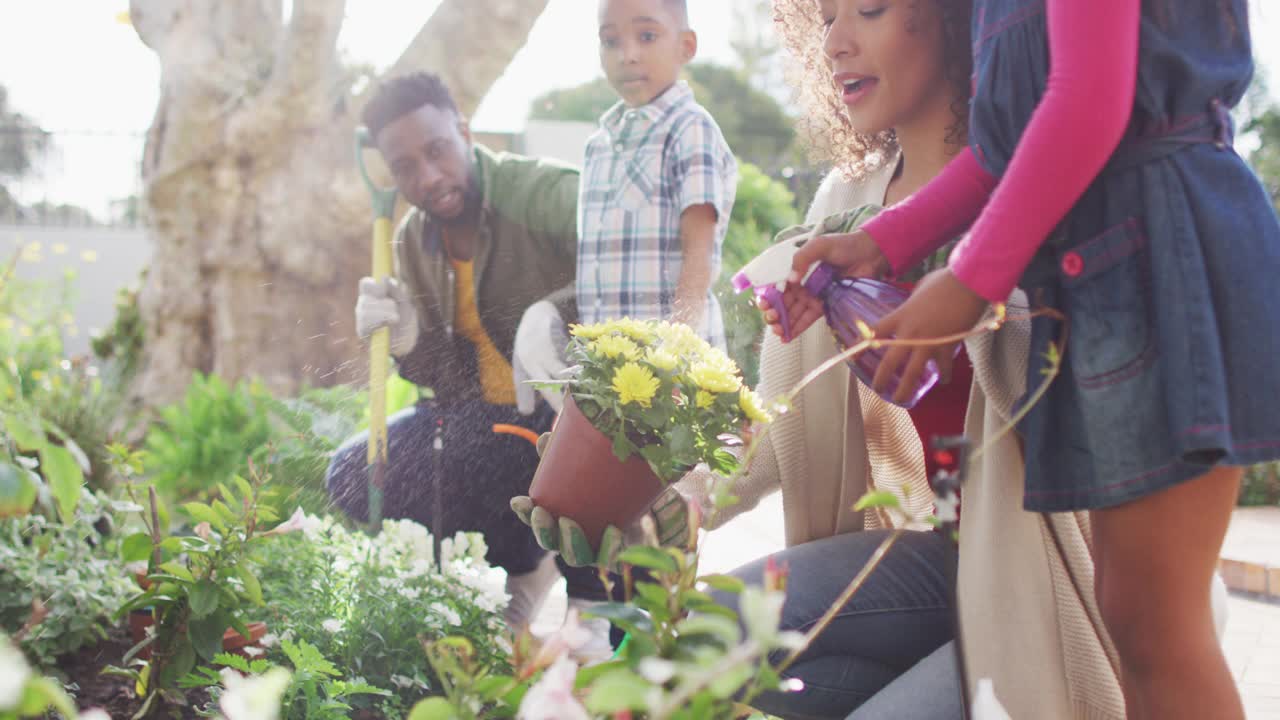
638, 330
590, 332
750, 403
661, 359
611, 346
635, 383
704, 399
714, 377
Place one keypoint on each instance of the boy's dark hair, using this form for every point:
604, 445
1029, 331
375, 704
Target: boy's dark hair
679, 8
402, 95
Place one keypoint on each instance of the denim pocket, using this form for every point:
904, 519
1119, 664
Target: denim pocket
1106, 295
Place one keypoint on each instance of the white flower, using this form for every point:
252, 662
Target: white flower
269, 640
252, 651
287, 635
447, 550
419, 568
405, 537
552, 697
332, 625
657, 670
410, 593
402, 681
448, 614
253, 698
95, 714
14, 673
761, 613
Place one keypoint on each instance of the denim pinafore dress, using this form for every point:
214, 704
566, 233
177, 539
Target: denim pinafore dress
1168, 268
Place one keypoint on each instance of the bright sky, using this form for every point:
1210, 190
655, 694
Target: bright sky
72, 67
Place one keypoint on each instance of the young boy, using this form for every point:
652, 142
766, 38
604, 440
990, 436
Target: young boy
658, 180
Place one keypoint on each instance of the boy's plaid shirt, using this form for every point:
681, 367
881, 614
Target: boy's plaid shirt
642, 168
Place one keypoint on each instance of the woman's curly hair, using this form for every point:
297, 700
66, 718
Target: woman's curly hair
824, 124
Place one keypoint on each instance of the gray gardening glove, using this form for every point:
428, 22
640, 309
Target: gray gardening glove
669, 515
538, 355
386, 303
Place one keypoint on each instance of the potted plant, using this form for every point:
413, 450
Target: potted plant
647, 401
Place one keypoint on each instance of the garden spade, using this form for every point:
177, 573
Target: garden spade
384, 203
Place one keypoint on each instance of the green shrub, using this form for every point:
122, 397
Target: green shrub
71, 568
208, 437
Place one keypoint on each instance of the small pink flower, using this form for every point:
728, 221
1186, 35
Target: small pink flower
552, 698
298, 521
204, 530
571, 636
775, 575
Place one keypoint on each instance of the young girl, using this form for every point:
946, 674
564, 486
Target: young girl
1102, 179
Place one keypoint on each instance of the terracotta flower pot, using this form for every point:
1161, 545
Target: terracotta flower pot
232, 641
579, 477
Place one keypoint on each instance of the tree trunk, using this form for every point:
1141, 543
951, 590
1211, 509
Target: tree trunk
260, 225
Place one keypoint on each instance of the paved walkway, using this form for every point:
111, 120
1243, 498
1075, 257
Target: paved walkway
1252, 641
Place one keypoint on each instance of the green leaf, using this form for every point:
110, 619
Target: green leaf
435, 708
182, 662
225, 512
232, 660
206, 634
724, 583
204, 598
622, 447
493, 687
588, 674
135, 548
200, 677
680, 440
17, 491
178, 570
65, 479
878, 499
647, 557
306, 658
727, 632
723, 462
628, 617
252, 588
246, 490
727, 684
28, 434
203, 513
621, 689
652, 593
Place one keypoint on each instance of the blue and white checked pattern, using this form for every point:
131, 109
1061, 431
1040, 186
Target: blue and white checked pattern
643, 168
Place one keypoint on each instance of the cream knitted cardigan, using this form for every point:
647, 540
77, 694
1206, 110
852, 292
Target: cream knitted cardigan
1028, 613
801, 453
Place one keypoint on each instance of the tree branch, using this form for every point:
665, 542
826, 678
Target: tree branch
469, 43
305, 58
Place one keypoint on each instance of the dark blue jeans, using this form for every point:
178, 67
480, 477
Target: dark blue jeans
478, 472
900, 617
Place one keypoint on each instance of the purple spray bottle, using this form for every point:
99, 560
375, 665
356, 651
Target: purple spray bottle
845, 301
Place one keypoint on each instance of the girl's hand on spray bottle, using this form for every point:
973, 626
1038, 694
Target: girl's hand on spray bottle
940, 306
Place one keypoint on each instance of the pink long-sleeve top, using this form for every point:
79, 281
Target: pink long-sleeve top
1088, 99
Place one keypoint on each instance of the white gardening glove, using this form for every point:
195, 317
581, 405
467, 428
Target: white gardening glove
386, 303
538, 355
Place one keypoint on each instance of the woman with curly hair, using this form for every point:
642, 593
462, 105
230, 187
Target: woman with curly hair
885, 87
